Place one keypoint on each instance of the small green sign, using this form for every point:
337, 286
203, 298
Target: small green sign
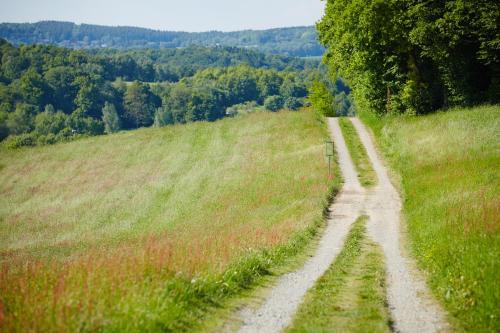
328, 148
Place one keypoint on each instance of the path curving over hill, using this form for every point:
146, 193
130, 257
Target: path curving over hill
285, 297
411, 306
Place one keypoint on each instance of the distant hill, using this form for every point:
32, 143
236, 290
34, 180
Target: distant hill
295, 41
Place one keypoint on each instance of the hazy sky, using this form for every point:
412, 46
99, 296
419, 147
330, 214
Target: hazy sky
186, 15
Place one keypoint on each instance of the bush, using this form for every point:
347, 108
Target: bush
274, 103
246, 107
27, 139
49, 122
112, 122
163, 117
293, 103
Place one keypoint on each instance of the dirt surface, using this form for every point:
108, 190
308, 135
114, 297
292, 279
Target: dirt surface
412, 309
411, 305
284, 298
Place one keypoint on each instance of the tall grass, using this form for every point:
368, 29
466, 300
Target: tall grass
147, 230
351, 295
366, 174
449, 167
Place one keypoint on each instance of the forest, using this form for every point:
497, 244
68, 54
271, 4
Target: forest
51, 94
294, 41
414, 57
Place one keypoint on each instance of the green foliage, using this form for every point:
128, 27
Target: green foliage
112, 122
321, 99
140, 105
274, 103
22, 119
80, 124
243, 108
296, 41
343, 105
50, 122
293, 103
408, 56
4, 129
163, 117
82, 85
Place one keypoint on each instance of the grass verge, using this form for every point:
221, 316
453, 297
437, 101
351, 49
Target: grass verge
149, 230
448, 165
366, 174
350, 296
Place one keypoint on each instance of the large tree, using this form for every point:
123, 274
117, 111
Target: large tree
140, 105
414, 56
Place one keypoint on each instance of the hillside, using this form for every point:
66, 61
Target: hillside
448, 164
51, 94
295, 41
142, 230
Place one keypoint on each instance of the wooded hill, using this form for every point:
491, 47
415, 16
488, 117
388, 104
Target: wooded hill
294, 41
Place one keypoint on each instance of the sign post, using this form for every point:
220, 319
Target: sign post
329, 154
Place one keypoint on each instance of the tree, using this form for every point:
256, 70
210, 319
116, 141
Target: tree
140, 105
4, 129
321, 99
50, 121
292, 88
269, 84
32, 88
241, 85
293, 103
414, 56
88, 98
274, 103
63, 90
163, 117
110, 118
22, 120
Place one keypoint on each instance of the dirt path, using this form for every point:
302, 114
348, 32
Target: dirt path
412, 307
286, 295
410, 311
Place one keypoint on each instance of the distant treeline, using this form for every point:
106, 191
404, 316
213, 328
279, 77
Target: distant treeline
155, 65
50, 94
296, 41
415, 56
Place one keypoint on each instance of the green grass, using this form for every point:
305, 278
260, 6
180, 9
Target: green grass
448, 163
350, 296
148, 230
366, 174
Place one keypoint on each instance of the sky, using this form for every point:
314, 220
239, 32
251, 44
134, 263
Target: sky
176, 15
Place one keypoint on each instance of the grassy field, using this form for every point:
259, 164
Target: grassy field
350, 296
147, 230
449, 166
366, 174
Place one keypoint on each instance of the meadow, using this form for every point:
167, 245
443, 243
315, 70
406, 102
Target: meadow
147, 230
448, 164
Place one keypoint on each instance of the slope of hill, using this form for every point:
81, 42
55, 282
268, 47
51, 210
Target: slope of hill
142, 230
294, 41
448, 163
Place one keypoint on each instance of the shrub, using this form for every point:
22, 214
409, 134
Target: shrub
26, 139
274, 103
163, 117
293, 103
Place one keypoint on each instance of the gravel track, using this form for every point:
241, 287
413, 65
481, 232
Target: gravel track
412, 309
